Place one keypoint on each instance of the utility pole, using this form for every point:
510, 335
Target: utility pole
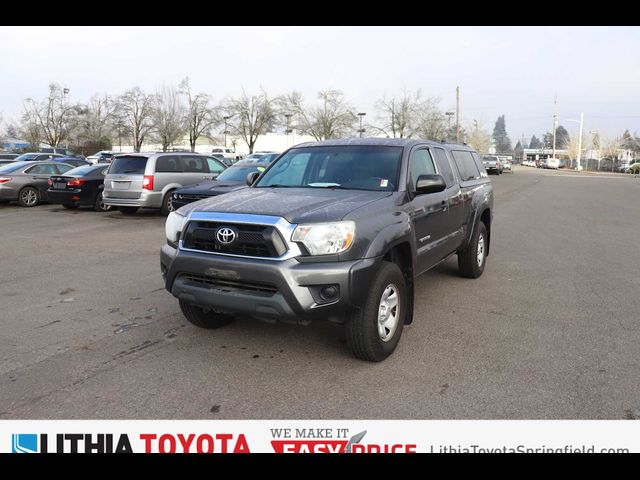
579, 167
457, 114
361, 115
288, 129
226, 117
555, 119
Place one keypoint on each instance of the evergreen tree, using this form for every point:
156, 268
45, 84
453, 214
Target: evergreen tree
535, 142
562, 137
503, 143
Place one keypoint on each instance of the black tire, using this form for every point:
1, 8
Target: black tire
98, 204
204, 318
167, 205
362, 326
468, 259
29, 197
128, 210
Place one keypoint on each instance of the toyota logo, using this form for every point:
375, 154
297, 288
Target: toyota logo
225, 235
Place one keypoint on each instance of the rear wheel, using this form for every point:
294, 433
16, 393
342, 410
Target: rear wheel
69, 206
204, 317
29, 197
472, 259
373, 330
128, 210
167, 204
99, 205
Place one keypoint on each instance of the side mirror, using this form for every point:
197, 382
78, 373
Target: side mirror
430, 184
252, 177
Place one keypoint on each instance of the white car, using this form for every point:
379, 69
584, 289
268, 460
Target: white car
225, 152
553, 163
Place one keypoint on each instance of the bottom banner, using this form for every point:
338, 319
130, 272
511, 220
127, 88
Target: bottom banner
318, 436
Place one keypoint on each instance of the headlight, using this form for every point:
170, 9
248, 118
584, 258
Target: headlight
325, 238
173, 227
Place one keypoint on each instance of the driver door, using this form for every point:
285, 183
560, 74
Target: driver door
428, 212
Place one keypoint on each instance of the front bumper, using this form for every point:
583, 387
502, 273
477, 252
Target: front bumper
293, 285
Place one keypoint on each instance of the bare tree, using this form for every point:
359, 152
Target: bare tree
92, 124
478, 138
50, 116
135, 108
609, 149
168, 116
251, 116
400, 116
334, 117
200, 116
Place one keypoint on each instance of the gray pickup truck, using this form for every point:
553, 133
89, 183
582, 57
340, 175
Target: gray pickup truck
334, 230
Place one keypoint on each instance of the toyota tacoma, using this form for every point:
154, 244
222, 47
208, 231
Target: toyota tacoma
335, 230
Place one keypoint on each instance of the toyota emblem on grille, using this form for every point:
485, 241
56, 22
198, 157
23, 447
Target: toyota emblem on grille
226, 235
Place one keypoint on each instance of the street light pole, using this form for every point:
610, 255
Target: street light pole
65, 92
361, 115
226, 117
579, 167
288, 130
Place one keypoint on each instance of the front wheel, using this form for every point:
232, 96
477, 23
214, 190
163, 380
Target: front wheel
99, 205
167, 204
29, 197
204, 317
373, 330
472, 259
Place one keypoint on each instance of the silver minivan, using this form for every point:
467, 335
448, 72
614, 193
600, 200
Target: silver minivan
146, 180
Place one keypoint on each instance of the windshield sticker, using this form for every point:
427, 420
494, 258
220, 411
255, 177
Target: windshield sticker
384, 182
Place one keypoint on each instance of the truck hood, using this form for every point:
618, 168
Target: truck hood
296, 205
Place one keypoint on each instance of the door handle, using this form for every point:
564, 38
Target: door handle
445, 205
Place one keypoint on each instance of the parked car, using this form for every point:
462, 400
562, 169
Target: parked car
102, 156
9, 156
335, 230
233, 178
65, 152
37, 156
79, 187
492, 164
76, 162
633, 168
259, 155
553, 163
225, 152
228, 161
507, 166
148, 179
27, 182
6, 162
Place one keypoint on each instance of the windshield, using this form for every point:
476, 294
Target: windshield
351, 167
11, 167
25, 157
237, 174
489, 159
128, 164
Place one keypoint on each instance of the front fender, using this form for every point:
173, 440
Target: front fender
398, 232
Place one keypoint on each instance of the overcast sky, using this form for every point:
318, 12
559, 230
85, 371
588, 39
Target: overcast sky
514, 70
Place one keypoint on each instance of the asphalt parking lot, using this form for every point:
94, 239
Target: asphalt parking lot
551, 330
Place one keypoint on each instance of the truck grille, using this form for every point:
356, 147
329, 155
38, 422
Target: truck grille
250, 240
229, 285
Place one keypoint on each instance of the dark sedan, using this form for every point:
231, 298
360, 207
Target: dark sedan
79, 187
75, 161
27, 182
233, 178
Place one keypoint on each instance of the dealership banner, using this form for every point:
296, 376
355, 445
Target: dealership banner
318, 436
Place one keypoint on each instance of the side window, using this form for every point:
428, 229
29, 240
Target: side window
194, 164
42, 157
420, 163
444, 166
45, 169
214, 165
168, 163
466, 165
62, 168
